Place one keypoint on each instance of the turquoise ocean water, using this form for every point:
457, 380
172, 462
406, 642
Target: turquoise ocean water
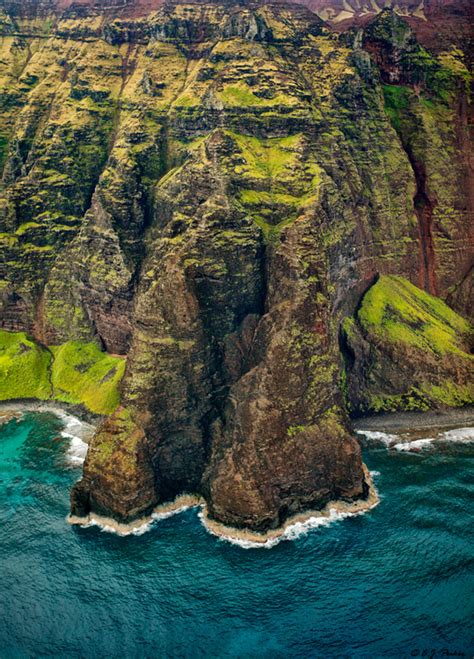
397, 581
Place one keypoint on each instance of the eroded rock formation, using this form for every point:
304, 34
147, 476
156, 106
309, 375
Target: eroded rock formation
210, 189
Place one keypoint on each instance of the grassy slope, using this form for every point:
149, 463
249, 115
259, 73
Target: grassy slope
24, 368
74, 372
397, 313
81, 373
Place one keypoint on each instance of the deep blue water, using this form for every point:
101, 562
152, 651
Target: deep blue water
394, 582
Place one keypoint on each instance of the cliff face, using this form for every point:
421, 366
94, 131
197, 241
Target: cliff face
437, 23
210, 189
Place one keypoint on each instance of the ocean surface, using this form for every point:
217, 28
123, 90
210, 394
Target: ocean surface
394, 582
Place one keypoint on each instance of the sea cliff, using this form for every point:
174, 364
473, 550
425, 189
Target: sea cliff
269, 221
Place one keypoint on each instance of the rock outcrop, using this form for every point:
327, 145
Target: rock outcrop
210, 189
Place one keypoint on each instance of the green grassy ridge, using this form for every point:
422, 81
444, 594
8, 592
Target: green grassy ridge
74, 372
24, 368
81, 373
240, 94
397, 311
422, 398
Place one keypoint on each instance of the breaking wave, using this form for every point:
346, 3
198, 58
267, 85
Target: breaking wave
378, 437
76, 432
77, 451
404, 444
448, 437
111, 526
291, 532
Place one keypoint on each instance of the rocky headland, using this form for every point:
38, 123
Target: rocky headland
227, 228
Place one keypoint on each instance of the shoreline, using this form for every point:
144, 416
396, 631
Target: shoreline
332, 511
140, 525
76, 430
14, 407
416, 421
246, 538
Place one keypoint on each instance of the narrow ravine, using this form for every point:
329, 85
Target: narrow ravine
423, 207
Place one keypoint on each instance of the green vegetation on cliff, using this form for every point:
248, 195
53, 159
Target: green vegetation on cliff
81, 373
397, 311
397, 101
410, 351
74, 372
24, 367
207, 190
427, 102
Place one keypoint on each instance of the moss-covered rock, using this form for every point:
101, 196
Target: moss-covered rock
24, 368
406, 350
73, 372
118, 471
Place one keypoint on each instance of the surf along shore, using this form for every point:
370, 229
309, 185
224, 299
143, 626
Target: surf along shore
332, 511
295, 525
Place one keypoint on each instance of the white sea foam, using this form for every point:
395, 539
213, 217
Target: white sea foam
291, 532
123, 530
458, 435
414, 446
450, 436
76, 432
108, 528
392, 441
378, 437
77, 450
158, 516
